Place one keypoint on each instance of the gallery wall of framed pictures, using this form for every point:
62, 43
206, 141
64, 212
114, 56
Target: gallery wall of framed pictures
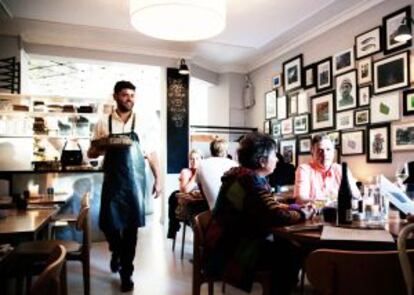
362, 96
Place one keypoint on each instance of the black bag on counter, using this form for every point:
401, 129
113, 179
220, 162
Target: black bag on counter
71, 157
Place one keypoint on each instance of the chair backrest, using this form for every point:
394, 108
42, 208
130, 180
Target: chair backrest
406, 266
82, 224
355, 272
200, 226
49, 280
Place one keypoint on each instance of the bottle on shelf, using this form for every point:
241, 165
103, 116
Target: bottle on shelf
344, 198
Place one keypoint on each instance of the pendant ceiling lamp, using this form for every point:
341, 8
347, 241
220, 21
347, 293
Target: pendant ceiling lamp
178, 20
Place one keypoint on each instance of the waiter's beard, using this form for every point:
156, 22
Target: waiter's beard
125, 108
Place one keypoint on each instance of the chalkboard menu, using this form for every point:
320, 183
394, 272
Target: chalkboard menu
177, 121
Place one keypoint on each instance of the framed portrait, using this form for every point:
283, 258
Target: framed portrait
304, 145
324, 74
287, 126
343, 61
379, 144
365, 71
266, 127
362, 117
287, 148
352, 142
293, 104
323, 111
335, 137
408, 102
276, 81
364, 95
275, 128
301, 124
385, 108
303, 102
392, 72
309, 76
402, 135
346, 91
368, 43
270, 104
345, 120
390, 24
282, 107
292, 73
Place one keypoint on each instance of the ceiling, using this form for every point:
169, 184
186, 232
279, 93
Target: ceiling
256, 32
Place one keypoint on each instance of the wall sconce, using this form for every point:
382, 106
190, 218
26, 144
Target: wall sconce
183, 69
404, 30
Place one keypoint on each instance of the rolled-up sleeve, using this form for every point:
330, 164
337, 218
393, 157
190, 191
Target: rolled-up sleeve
301, 190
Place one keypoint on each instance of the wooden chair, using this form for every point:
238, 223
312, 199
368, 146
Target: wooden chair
355, 272
52, 280
31, 251
201, 223
406, 265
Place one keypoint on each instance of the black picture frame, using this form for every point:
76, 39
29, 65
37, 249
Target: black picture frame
304, 145
292, 100
301, 124
392, 72
368, 43
266, 127
345, 120
309, 76
324, 76
362, 117
379, 138
364, 71
276, 81
287, 126
323, 110
408, 102
292, 73
346, 90
390, 24
288, 149
343, 61
364, 95
275, 128
270, 104
353, 142
282, 107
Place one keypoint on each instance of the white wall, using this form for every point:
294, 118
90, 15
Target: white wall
329, 43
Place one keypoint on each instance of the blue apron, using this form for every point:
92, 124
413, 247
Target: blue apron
123, 188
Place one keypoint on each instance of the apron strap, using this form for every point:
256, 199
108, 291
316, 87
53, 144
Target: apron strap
110, 123
133, 123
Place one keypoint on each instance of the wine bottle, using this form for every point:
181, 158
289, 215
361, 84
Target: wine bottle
344, 198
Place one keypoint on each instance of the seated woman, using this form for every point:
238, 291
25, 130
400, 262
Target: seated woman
243, 215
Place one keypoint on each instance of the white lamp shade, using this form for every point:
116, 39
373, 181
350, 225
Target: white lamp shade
178, 20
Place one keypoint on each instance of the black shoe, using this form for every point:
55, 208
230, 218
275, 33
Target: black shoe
114, 264
126, 284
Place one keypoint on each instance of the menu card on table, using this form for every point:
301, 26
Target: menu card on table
350, 234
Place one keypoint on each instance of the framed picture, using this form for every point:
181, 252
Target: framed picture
335, 137
402, 135
324, 74
293, 104
345, 120
287, 148
346, 91
392, 72
304, 145
303, 102
408, 102
368, 43
301, 124
352, 142
364, 95
270, 104
361, 117
292, 73
323, 111
379, 144
390, 24
309, 77
275, 128
385, 108
281, 107
365, 71
276, 81
287, 126
343, 61
266, 127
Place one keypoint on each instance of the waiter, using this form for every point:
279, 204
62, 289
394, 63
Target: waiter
123, 190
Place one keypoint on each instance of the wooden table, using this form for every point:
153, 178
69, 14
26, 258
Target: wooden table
57, 198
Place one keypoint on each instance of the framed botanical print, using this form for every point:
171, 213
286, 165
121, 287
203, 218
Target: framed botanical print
352, 142
276, 81
343, 61
276, 128
303, 102
323, 109
392, 72
270, 104
266, 127
301, 124
385, 108
335, 137
309, 76
345, 120
282, 107
346, 91
368, 43
287, 148
408, 102
292, 73
390, 24
364, 95
287, 126
379, 144
365, 71
362, 117
402, 135
324, 74
304, 145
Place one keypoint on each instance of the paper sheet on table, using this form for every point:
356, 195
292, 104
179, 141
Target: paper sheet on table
350, 234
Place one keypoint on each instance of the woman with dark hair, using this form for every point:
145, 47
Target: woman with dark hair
245, 210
